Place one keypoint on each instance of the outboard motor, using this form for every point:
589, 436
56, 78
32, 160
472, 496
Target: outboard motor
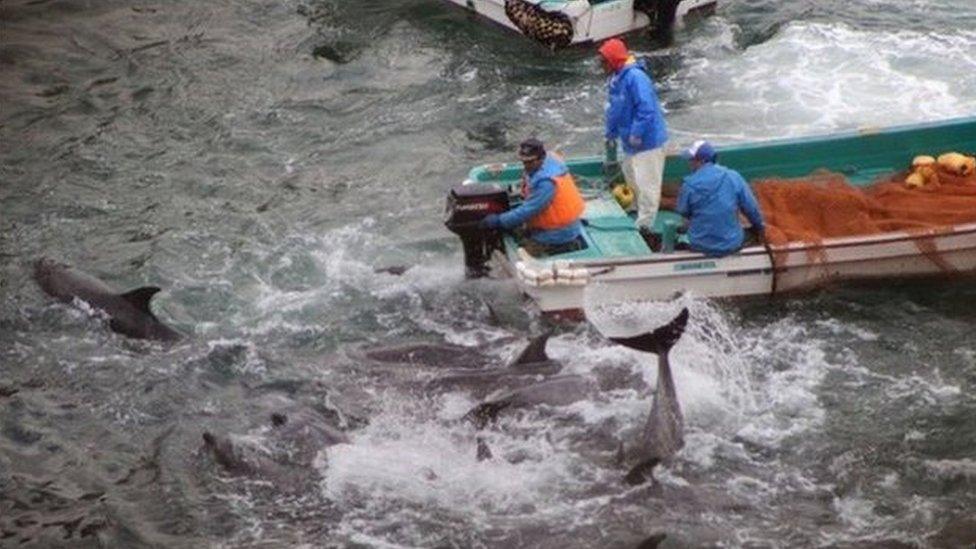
467, 205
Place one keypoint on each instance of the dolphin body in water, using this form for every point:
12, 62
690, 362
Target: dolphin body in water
293, 439
467, 367
557, 391
532, 360
663, 433
129, 313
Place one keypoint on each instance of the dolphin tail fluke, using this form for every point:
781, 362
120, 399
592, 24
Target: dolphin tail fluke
481, 414
140, 297
535, 351
660, 340
641, 472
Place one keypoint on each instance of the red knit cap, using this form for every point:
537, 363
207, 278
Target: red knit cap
615, 52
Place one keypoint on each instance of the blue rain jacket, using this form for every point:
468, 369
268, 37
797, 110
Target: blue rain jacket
542, 189
633, 110
711, 199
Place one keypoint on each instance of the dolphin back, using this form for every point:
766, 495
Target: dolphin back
130, 313
65, 283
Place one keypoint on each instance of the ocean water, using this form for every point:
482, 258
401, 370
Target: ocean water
259, 160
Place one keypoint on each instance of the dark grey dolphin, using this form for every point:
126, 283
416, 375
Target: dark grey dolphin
558, 391
663, 434
292, 443
129, 313
239, 459
424, 353
530, 361
466, 367
457, 358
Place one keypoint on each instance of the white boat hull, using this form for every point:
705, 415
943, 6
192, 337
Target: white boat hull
561, 287
590, 23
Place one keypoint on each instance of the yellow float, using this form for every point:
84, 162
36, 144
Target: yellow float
957, 163
624, 195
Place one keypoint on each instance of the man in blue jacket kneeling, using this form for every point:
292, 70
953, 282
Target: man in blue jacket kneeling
711, 198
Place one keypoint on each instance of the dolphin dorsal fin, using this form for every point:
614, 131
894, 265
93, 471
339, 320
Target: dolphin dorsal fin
493, 318
660, 340
140, 297
534, 352
620, 457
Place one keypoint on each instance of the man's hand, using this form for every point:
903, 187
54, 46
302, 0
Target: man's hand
635, 141
490, 221
758, 234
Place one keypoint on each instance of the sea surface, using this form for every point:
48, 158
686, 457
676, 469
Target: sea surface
260, 160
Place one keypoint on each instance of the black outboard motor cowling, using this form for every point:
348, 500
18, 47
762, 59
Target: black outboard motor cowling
467, 205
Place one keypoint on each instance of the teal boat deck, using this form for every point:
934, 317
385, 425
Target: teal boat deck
863, 156
608, 231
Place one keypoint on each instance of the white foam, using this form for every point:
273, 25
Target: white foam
710, 372
815, 77
419, 461
931, 389
856, 511
953, 469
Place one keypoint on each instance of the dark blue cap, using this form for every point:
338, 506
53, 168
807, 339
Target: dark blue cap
531, 149
700, 150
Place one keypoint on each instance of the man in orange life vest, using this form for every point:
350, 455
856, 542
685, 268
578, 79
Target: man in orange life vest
551, 208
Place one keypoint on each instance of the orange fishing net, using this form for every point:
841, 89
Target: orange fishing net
826, 205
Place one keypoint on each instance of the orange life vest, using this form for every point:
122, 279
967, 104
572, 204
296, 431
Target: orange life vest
566, 207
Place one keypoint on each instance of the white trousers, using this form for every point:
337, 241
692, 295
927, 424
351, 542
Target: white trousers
644, 173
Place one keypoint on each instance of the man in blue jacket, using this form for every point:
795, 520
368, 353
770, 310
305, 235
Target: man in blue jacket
634, 115
551, 207
710, 198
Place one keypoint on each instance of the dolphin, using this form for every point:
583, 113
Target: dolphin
532, 360
663, 433
238, 459
467, 367
557, 391
294, 439
129, 313
428, 354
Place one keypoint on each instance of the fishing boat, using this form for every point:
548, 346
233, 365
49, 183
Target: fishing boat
618, 262
561, 23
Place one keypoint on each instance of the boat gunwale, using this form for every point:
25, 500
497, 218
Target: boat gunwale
861, 132
827, 244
